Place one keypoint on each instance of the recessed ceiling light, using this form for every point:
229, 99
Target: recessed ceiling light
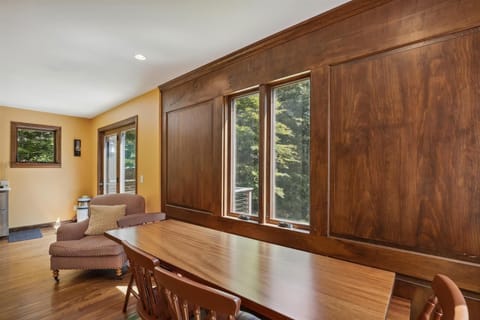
140, 57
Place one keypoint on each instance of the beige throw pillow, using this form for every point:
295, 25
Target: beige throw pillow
103, 218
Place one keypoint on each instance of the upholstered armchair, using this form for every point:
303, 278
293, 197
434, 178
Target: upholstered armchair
83, 245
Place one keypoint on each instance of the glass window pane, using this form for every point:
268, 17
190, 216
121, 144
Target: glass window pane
35, 146
291, 152
245, 160
127, 161
110, 165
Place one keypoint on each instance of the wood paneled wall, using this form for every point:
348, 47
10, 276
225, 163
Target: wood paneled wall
405, 147
395, 125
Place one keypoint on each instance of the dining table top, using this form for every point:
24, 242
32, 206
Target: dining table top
272, 280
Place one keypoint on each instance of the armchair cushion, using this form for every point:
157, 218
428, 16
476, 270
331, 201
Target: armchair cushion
103, 218
135, 203
72, 231
92, 246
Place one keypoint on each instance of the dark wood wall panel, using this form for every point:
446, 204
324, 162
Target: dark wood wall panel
190, 157
395, 148
319, 79
405, 147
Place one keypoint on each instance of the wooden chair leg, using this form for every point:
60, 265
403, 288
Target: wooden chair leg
55, 274
127, 294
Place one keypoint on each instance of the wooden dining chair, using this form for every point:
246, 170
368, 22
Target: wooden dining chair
151, 304
135, 220
446, 303
188, 299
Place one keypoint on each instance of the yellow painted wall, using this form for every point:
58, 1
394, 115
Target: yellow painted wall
40, 195
147, 108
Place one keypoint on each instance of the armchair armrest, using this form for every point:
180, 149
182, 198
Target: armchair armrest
72, 231
139, 218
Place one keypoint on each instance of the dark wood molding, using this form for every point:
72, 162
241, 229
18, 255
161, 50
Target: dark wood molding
100, 159
163, 155
119, 124
342, 12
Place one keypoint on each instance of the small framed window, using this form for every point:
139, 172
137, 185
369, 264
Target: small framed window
35, 146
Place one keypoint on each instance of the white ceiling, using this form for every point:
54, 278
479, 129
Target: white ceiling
75, 57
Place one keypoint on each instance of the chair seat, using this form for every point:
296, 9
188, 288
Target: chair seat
86, 247
243, 315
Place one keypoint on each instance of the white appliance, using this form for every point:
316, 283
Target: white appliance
4, 190
4, 184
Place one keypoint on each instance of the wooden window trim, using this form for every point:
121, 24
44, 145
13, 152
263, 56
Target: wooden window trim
14, 126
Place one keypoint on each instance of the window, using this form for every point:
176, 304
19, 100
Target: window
117, 158
245, 155
290, 152
35, 146
283, 147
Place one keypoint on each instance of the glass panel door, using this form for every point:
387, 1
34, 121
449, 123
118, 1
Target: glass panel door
110, 164
117, 159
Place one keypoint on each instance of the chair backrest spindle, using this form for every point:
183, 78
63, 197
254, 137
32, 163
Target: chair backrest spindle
186, 297
151, 304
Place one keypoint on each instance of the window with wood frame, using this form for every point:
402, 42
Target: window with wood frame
35, 145
117, 157
269, 154
244, 155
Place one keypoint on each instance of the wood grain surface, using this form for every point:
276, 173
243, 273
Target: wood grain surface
190, 157
275, 281
28, 291
394, 135
405, 147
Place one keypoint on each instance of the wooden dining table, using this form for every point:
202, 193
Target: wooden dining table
274, 281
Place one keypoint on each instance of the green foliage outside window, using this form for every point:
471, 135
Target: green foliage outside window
130, 154
290, 150
246, 156
35, 146
130, 142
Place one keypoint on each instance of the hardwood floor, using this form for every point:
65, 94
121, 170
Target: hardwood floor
28, 290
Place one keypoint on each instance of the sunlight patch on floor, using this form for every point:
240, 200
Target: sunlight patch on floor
122, 289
